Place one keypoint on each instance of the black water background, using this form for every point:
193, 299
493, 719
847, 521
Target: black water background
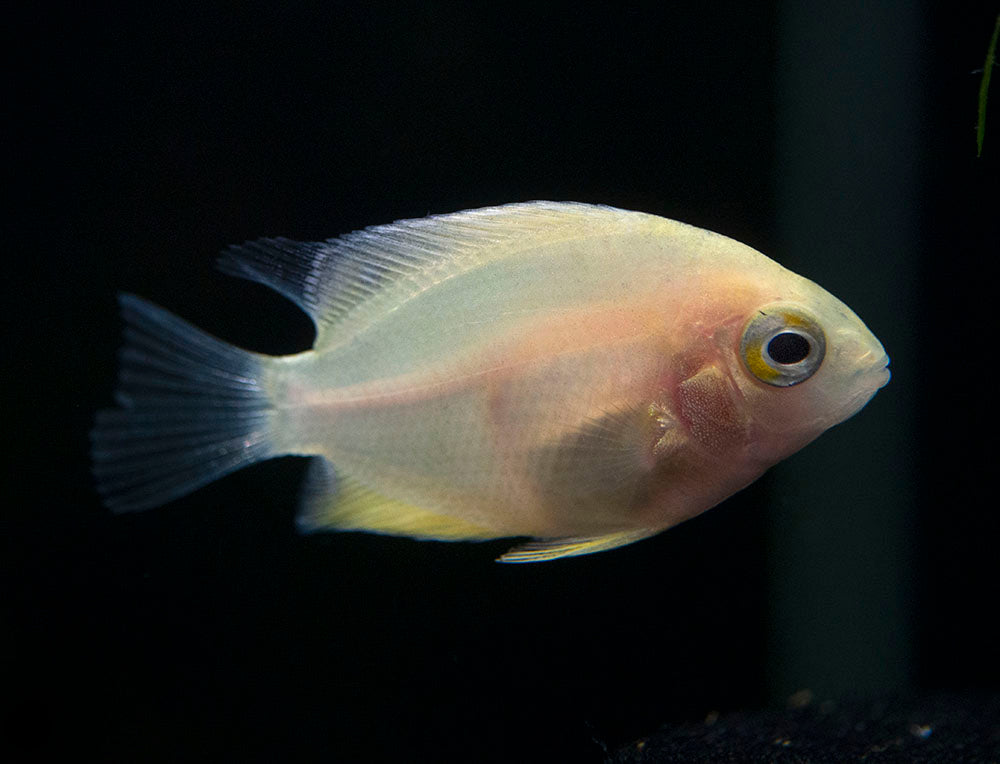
147, 139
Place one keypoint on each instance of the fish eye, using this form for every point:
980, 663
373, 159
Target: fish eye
782, 345
788, 348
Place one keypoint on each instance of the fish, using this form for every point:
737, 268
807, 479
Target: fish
575, 375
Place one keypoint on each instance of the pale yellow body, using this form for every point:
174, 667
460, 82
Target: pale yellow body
571, 381
562, 371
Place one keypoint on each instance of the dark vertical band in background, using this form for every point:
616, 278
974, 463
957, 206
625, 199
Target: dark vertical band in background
842, 523
958, 565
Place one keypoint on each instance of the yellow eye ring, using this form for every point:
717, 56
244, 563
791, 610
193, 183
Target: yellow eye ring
782, 345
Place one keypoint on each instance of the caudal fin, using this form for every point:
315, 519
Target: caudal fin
192, 408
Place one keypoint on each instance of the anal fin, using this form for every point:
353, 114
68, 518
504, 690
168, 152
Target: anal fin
332, 502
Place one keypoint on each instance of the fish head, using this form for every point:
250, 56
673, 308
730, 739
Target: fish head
802, 362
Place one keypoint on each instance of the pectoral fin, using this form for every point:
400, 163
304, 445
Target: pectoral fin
543, 550
606, 464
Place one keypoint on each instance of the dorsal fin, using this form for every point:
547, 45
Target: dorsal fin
330, 279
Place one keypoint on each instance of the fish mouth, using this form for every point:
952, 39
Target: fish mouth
879, 371
871, 378
874, 365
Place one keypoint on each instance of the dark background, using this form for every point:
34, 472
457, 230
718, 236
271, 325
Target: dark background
146, 139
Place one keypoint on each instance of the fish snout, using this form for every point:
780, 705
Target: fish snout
864, 356
873, 368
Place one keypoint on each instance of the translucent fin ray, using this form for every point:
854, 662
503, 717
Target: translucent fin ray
543, 550
329, 279
192, 409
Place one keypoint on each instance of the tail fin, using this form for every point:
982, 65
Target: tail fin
192, 409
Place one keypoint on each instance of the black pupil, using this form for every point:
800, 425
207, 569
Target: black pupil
788, 347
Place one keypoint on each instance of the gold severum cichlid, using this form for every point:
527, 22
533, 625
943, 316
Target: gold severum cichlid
579, 374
